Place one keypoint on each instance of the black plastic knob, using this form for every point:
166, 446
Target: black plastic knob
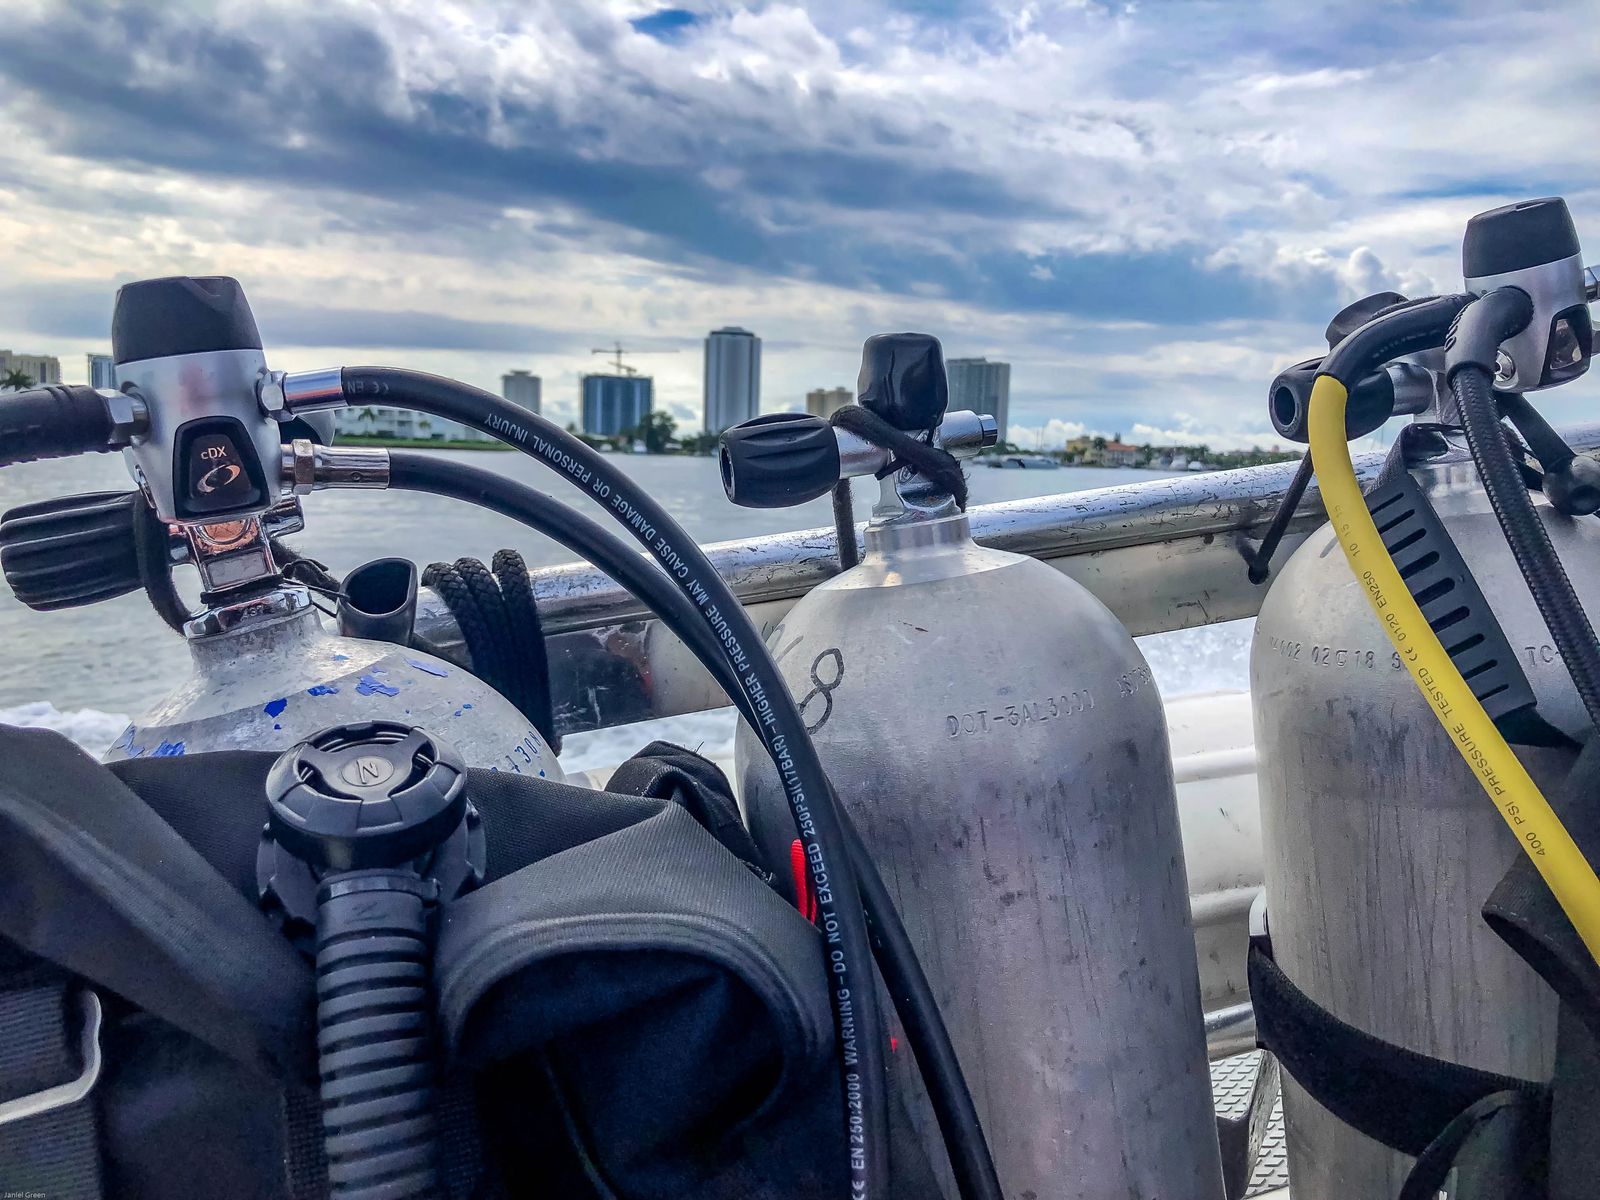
365, 795
1517, 236
1370, 404
1574, 489
181, 314
779, 460
72, 550
903, 380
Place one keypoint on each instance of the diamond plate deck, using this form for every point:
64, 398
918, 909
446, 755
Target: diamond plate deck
1232, 1081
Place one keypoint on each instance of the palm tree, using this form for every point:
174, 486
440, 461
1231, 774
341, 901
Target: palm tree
16, 380
1098, 443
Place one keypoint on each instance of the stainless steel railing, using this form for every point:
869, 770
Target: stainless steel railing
1162, 554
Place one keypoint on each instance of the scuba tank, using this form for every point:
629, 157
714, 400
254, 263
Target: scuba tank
1380, 849
265, 673
997, 738
278, 676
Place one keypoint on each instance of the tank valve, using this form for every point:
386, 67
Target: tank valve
784, 459
369, 828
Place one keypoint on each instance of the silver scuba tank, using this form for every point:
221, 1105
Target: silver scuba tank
211, 461
1380, 847
269, 676
996, 736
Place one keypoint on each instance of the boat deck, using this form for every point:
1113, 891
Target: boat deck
1234, 1087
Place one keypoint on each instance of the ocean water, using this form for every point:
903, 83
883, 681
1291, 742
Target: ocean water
82, 671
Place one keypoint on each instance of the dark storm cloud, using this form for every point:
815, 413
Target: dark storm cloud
328, 111
83, 311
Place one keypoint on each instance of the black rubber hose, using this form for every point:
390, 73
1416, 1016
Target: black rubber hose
903, 976
374, 1050
1260, 561
1419, 325
844, 525
1525, 533
54, 421
852, 989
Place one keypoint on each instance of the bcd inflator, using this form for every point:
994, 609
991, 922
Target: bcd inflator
369, 829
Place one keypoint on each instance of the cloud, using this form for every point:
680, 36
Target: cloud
1140, 207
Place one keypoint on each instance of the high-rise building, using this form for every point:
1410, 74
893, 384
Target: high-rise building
824, 402
733, 378
41, 368
614, 404
982, 386
522, 388
102, 371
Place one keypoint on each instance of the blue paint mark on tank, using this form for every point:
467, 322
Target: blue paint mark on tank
274, 708
322, 689
457, 713
341, 658
167, 750
373, 687
277, 726
430, 668
466, 706
124, 739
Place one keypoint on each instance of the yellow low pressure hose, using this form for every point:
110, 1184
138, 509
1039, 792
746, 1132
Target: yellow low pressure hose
1539, 831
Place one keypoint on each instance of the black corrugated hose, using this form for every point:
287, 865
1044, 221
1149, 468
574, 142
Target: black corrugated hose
374, 1053
1479, 331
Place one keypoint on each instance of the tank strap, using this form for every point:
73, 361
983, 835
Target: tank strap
1393, 1095
49, 1064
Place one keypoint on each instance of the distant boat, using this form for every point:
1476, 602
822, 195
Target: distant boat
1029, 462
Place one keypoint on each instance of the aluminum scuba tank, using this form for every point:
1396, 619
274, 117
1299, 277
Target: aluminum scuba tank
1380, 847
269, 677
997, 737
211, 461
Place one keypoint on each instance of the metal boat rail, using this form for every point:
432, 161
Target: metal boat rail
1162, 554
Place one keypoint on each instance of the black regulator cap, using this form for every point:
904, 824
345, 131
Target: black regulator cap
903, 379
779, 460
181, 314
368, 794
1517, 236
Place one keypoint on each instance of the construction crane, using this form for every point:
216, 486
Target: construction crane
616, 350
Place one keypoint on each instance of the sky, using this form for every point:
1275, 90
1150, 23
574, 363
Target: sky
1147, 208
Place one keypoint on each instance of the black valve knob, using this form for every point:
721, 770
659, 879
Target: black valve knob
72, 550
903, 379
1371, 401
779, 460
